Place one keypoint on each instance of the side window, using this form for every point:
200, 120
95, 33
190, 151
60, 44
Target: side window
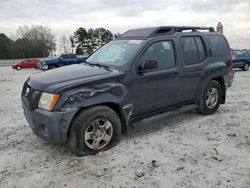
201, 49
193, 50
72, 56
65, 56
162, 52
220, 47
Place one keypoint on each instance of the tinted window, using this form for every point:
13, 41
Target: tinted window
190, 51
161, 52
201, 50
193, 50
219, 46
72, 56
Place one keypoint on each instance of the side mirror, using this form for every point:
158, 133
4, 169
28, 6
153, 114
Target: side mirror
60, 58
148, 65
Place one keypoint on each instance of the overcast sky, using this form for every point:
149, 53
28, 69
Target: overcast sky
65, 16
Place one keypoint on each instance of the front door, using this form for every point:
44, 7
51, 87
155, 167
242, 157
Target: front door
160, 87
65, 59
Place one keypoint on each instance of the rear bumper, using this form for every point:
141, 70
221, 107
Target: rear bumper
50, 126
229, 79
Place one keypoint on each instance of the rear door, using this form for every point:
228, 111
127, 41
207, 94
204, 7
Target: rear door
31, 63
195, 57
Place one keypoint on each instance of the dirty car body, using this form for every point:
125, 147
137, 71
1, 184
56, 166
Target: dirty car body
122, 84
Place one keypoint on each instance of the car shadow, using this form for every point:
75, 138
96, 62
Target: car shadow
159, 122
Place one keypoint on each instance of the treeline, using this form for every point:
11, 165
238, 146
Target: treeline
38, 41
85, 41
34, 41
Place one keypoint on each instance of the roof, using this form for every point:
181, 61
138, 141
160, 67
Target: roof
163, 30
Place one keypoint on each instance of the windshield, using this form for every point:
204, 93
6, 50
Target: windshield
116, 53
57, 56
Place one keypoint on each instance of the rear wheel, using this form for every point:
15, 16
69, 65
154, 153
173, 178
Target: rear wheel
94, 129
51, 67
210, 99
246, 67
18, 67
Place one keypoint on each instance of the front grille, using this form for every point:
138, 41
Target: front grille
30, 96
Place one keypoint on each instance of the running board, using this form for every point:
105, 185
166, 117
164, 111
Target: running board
167, 113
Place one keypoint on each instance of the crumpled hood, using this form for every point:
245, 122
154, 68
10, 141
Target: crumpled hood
52, 80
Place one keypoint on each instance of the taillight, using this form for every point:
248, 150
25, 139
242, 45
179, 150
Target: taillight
231, 63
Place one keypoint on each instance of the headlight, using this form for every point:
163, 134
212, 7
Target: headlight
48, 101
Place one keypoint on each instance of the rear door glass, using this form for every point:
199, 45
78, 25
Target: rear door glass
193, 49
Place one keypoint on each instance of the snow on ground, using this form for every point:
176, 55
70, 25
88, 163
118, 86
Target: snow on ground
192, 150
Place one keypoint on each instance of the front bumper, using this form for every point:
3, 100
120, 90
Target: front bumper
43, 67
50, 126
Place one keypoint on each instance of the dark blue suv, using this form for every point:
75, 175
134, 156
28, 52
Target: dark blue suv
241, 60
142, 73
61, 60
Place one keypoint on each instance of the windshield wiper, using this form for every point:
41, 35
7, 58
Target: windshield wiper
99, 65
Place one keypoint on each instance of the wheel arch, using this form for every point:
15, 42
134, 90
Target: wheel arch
223, 87
221, 81
114, 106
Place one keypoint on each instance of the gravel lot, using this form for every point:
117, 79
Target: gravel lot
190, 150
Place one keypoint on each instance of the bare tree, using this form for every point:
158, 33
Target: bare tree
64, 44
40, 42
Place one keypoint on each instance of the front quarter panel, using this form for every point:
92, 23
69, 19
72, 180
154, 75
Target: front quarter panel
97, 94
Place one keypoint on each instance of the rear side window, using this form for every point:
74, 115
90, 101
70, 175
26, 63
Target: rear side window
193, 50
220, 47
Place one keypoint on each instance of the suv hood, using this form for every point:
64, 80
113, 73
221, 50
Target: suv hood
52, 80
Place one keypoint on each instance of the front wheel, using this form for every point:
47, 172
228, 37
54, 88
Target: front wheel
210, 99
51, 67
94, 129
18, 67
246, 67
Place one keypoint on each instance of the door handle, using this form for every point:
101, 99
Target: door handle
176, 75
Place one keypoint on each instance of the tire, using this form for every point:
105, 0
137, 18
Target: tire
206, 106
51, 67
18, 67
246, 67
83, 136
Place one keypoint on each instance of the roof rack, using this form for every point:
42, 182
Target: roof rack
193, 28
163, 30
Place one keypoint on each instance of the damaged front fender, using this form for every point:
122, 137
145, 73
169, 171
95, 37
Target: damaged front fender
115, 93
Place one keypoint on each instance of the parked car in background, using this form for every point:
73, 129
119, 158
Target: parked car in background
241, 60
142, 73
27, 63
61, 60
